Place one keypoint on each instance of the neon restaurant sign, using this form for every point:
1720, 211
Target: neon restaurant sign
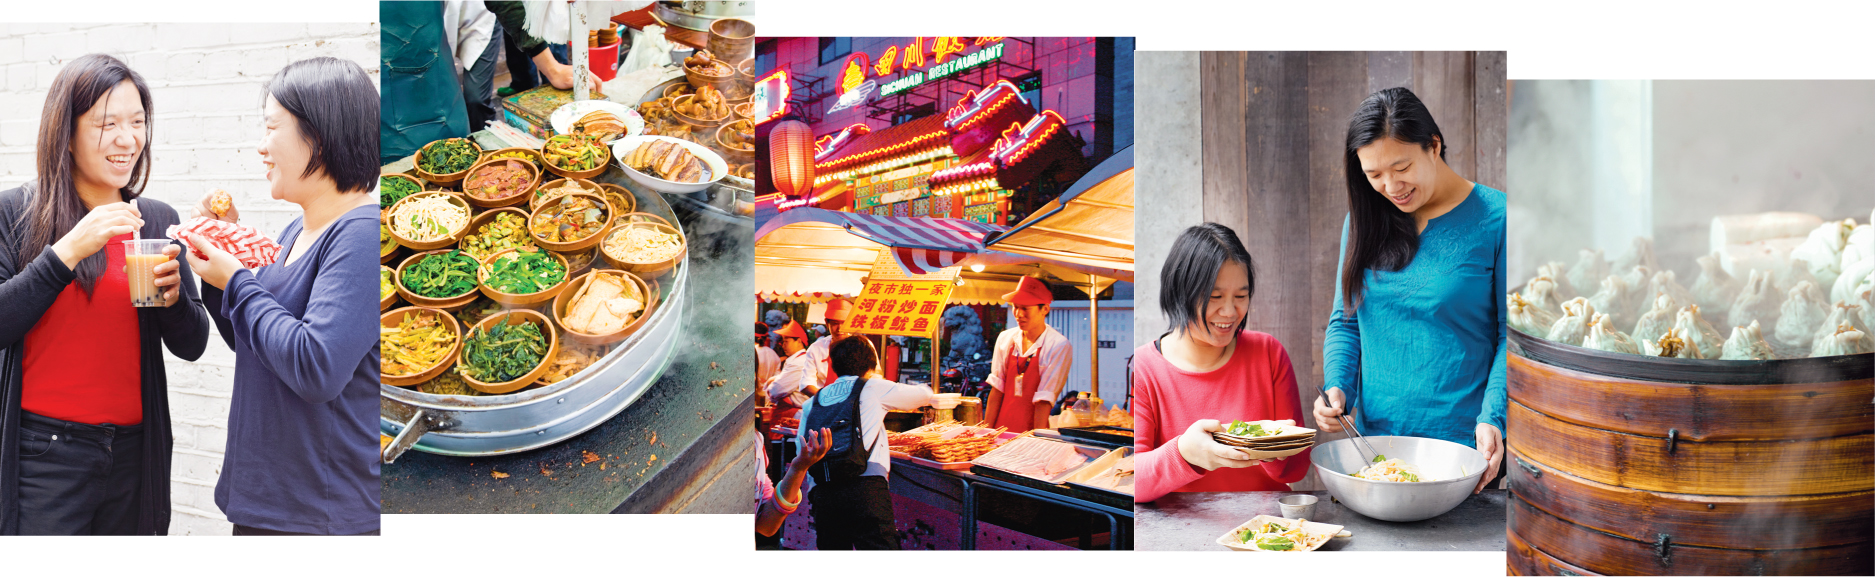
916, 64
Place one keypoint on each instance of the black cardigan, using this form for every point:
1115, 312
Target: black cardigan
25, 294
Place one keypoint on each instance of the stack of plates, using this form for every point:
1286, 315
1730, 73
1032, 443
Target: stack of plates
1288, 440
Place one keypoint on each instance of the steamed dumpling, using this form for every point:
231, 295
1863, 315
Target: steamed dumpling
1602, 336
1715, 289
1528, 318
1637, 279
1640, 253
1657, 319
1756, 301
1698, 333
1540, 292
1666, 282
1845, 340
1746, 344
1559, 274
1854, 275
1613, 299
1841, 314
1670, 345
1590, 269
1822, 250
1800, 316
1573, 325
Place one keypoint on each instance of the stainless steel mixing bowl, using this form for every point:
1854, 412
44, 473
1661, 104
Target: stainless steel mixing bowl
1456, 468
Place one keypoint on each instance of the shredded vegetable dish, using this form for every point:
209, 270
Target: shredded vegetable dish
429, 218
1274, 536
1394, 470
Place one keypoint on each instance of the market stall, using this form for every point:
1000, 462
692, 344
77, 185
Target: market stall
540, 330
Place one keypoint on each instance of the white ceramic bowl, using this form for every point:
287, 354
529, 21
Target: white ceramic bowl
718, 167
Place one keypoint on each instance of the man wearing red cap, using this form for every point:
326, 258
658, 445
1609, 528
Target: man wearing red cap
798, 380
1031, 362
837, 312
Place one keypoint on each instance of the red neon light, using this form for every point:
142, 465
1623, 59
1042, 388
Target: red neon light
886, 61
961, 172
836, 140
913, 54
981, 40
975, 107
780, 78
1021, 139
854, 73
848, 160
945, 46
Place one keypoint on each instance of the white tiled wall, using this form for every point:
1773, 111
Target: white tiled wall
205, 82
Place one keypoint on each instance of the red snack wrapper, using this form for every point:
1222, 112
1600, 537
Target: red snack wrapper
246, 244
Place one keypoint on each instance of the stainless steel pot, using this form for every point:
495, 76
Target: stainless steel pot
534, 418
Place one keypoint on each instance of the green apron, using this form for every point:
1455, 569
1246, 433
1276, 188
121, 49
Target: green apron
421, 99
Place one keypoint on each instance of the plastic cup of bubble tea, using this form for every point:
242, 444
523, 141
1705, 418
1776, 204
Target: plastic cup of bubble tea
1297, 506
140, 260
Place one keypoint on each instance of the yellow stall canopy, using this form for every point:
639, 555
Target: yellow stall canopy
1090, 225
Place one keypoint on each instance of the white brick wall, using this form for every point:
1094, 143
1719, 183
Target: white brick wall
205, 82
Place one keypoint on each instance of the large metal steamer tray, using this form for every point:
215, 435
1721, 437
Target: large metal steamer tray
465, 426
1691, 371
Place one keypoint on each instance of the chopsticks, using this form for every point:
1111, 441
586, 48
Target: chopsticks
1349, 425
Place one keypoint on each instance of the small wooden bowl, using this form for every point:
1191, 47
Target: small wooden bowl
453, 177
646, 270
516, 317
532, 154
394, 318
481, 220
535, 201
694, 121
744, 111
385, 302
698, 78
745, 70
451, 304
679, 89
454, 236
647, 293
605, 161
619, 198
578, 262
583, 243
402, 176
387, 254
481, 277
518, 197
732, 153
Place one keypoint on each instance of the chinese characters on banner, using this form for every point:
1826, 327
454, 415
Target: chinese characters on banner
900, 307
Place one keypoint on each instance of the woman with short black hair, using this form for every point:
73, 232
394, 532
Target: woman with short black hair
84, 415
302, 433
1418, 326
1209, 367
853, 503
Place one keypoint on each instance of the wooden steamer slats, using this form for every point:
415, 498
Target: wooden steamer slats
1702, 520
1736, 468
1615, 555
1696, 412
1527, 560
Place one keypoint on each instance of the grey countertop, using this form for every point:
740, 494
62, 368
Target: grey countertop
1193, 522
653, 456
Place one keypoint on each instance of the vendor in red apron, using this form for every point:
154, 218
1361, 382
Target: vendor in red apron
837, 311
797, 381
1031, 362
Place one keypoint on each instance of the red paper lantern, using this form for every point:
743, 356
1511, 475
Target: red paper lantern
791, 158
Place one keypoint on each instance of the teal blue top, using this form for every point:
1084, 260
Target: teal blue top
1425, 349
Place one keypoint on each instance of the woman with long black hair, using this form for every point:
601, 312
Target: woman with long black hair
1417, 333
84, 417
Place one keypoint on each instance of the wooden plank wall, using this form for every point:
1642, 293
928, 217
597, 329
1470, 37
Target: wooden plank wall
1273, 129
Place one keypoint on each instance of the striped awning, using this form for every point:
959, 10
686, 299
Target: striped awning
920, 245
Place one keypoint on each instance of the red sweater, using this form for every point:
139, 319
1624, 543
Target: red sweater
83, 361
1256, 384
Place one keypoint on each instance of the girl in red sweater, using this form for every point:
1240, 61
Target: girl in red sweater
1206, 369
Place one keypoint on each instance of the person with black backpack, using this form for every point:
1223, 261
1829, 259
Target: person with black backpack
852, 504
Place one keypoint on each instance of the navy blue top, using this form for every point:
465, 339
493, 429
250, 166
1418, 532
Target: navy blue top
1426, 343
302, 434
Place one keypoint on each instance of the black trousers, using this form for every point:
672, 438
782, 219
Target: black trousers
246, 531
478, 85
77, 478
854, 514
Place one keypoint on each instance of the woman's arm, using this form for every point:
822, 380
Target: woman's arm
1495, 397
314, 355
183, 326
1160, 469
1341, 342
28, 293
1288, 404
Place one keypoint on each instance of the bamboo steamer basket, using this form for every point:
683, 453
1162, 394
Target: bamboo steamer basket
516, 317
647, 291
1634, 465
